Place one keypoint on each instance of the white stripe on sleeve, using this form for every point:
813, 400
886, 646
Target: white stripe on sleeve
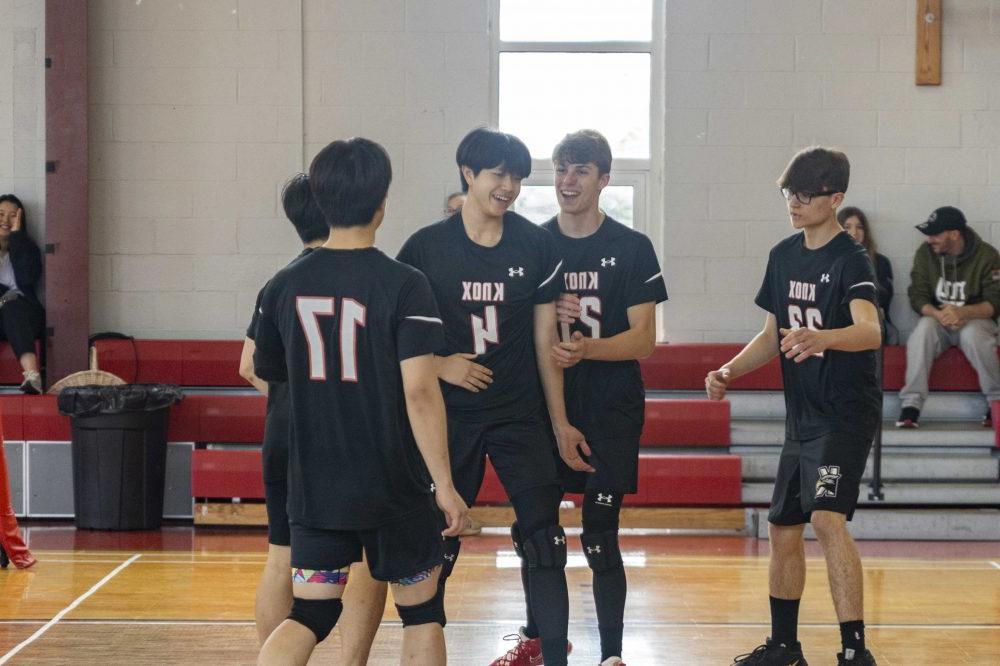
549, 278
862, 284
430, 320
654, 277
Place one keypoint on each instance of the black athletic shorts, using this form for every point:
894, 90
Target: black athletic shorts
394, 551
616, 461
818, 474
519, 450
274, 461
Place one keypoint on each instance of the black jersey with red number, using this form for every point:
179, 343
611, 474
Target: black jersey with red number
836, 391
336, 325
610, 271
487, 297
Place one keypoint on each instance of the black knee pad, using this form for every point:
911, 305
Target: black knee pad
451, 546
546, 548
602, 551
317, 615
428, 612
517, 540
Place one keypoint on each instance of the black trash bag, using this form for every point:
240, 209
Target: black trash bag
94, 400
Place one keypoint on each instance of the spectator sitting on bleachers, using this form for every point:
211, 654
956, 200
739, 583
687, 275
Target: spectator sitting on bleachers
955, 287
21, 314
453, 203
856, 224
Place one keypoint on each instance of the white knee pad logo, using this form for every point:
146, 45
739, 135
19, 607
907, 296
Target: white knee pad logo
829, 479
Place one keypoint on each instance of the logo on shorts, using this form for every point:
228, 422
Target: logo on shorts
592, 550
450, 558
604, 500
826, 484
559, 540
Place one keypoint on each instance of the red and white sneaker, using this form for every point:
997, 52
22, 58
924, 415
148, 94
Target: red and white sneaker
527, 652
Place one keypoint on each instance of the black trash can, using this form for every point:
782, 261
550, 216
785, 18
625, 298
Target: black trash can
119, 453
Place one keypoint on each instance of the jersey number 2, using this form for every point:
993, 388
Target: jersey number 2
590, 313
352, 315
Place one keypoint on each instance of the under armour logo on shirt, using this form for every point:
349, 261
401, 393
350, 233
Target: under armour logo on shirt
433, 488
825, 277
595, 549
604, 499
559, 540
607, 262
519, 271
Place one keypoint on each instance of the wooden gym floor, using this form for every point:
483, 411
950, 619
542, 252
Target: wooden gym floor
180, 596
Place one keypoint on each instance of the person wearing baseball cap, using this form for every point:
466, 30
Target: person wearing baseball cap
955, 288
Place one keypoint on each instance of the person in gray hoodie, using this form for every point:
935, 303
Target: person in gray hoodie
955, 287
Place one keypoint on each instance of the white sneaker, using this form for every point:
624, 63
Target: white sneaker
613, 661
32, 384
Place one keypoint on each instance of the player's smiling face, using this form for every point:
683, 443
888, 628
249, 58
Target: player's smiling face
492, 190
578, 186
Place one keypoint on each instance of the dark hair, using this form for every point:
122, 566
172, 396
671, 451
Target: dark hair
582, 147
302, 211
17, 202
815, 170
485, 148
350, 180
848, 212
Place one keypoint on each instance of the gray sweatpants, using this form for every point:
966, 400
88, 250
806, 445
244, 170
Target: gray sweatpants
977, 340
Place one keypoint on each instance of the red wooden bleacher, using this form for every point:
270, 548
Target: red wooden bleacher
686, 423
683, 366
191, 363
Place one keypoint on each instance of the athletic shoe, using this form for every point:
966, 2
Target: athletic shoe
988, 419
773, 653
908, 418
864, 659
527, 652
613, 661
32, 384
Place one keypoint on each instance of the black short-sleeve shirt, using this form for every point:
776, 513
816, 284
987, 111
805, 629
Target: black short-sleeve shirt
487, 297
610, 271
336, 325
836, 391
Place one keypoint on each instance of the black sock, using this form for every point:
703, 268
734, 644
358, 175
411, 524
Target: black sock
530, 628
784, 620
852, 637
550, 608
610, 588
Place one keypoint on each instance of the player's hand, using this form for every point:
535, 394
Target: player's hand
458, 369
568, 354
573, 445
454, 509
716, 383
15, 226
799, 344
568, 308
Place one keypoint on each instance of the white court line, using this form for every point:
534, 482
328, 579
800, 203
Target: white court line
76, 602
502, 623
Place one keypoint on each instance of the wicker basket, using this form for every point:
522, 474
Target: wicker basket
86, 378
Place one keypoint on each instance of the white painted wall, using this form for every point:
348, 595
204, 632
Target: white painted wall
200, 110
22, 107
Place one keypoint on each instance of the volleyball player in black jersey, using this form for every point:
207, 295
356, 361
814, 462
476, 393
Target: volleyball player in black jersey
611, 282
820, 294
354, 332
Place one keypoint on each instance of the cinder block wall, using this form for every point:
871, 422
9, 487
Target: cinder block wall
200, 110
22, 107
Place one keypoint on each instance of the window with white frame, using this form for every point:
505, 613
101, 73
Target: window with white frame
564, 65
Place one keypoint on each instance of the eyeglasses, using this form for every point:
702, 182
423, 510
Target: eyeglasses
804, 198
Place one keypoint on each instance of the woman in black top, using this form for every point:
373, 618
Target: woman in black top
21, 313
855, 223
